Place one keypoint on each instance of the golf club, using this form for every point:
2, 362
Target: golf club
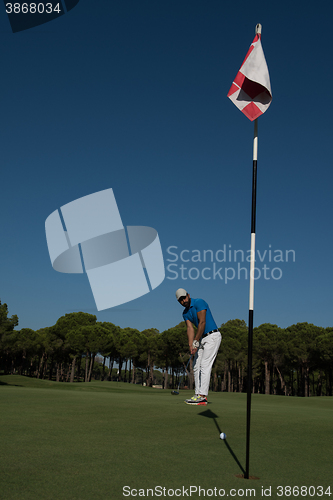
175, 393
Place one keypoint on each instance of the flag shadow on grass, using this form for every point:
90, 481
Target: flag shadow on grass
210, 414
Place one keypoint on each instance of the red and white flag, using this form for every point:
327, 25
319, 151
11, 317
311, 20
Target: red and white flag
251, 89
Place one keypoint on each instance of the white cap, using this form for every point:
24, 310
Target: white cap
181, 293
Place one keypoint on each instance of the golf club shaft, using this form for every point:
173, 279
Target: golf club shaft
184, 372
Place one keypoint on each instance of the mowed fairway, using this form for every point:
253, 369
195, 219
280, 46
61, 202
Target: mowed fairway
87, 441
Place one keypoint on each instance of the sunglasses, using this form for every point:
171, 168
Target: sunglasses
182, 298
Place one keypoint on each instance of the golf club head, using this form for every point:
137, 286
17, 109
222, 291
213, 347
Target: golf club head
174, 393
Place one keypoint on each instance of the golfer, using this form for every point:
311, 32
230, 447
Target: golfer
204, 345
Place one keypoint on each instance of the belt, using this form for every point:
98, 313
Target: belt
212, 331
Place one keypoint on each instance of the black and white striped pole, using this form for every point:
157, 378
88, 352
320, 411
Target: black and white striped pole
251, 298
251, 93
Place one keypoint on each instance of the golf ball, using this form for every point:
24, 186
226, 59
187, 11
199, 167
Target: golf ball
223, 436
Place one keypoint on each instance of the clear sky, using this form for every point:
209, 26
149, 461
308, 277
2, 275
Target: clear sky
132, 95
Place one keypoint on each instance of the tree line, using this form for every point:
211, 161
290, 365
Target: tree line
293, 361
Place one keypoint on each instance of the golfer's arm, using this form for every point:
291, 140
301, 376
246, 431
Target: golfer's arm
201, 324
190, 333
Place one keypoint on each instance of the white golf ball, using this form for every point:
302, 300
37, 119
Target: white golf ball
223, 436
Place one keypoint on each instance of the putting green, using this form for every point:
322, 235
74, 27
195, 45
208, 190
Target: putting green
89, 441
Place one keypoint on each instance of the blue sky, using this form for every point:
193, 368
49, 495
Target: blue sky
132, 95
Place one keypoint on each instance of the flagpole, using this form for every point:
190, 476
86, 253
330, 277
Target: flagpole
251, 296
251, 93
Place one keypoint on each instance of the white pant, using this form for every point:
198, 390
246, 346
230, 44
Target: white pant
203, 362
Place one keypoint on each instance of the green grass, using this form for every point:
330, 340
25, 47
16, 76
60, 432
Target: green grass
87, 441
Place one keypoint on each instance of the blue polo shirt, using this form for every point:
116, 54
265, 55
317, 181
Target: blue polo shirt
191, 314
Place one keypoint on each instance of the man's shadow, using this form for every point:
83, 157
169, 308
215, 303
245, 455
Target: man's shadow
210, 414
12, 385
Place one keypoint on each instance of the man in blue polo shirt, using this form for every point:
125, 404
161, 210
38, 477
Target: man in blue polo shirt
204, 344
